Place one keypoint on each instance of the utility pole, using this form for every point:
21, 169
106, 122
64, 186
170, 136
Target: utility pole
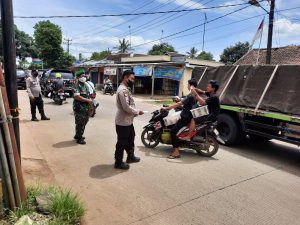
9, 53
204, 29
270, 32
129, 27
68, 42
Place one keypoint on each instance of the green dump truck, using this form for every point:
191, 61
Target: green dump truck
262, 102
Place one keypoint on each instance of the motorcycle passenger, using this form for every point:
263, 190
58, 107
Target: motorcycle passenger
185, 119
213, 103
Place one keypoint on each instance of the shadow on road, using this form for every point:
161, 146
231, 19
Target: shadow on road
25, 121
65, 144
104, 171
276, 154
187, 156
53, 103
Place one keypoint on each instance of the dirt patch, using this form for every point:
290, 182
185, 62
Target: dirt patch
37, 170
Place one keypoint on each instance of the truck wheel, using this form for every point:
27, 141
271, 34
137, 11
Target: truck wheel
229, 129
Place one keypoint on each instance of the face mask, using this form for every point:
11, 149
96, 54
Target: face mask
82, 79
130, 83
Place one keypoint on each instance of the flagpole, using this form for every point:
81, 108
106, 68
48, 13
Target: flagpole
260, 43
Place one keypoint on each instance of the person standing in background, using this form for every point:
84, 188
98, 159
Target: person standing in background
81, 106
35, 96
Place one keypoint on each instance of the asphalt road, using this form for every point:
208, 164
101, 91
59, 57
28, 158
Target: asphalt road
248, 184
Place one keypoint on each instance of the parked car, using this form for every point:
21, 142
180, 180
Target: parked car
48, 77
21, 79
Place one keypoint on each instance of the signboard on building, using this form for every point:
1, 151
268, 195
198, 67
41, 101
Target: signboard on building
142, 71
169, 72
110, 71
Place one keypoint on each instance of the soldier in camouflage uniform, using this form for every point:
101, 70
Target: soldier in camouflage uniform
81, 106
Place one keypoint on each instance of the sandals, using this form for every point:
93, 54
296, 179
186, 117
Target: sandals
173, 156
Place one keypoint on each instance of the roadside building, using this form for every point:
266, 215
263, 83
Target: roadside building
164, 74
289, 55
101, 69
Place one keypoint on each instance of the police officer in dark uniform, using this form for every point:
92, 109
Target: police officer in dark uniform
124, 122
81, 106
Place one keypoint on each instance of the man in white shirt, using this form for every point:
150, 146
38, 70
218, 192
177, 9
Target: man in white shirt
34, 93
91, 88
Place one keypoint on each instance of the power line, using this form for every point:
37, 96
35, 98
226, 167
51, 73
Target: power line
134, 18
191, 28
209, 29
93, 29
217, 18
151, 24
159, 24
129, 14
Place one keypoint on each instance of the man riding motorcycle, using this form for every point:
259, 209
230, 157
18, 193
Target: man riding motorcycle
185, 119
58, 84
107, 82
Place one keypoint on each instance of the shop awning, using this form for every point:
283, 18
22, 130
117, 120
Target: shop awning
142, 71
169, 72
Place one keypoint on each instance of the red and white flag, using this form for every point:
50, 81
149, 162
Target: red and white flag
258, 33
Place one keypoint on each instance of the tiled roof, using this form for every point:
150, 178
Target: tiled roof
282, 55
117, 57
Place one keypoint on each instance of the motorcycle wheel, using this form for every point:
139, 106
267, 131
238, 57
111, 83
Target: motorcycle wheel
112, 92
211, 147
148, 142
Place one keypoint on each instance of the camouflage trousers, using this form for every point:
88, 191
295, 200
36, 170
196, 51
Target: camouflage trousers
81, 119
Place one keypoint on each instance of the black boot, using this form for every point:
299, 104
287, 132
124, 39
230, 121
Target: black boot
44, 117
77, 138
131, 158
34, 119
122, 166
81, 141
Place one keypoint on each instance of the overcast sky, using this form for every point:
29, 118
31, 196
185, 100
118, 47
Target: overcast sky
97, 34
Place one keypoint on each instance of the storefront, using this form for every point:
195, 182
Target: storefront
167, 79
143, 79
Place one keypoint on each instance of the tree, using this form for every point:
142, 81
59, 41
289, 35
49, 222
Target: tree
192, 53
161, 49
65, 61
124, 46
24, 44
100, 55
48, 38
205, 56
233, 53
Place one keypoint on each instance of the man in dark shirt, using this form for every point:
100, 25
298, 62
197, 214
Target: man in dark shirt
212, 102
185, 119
58, 83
